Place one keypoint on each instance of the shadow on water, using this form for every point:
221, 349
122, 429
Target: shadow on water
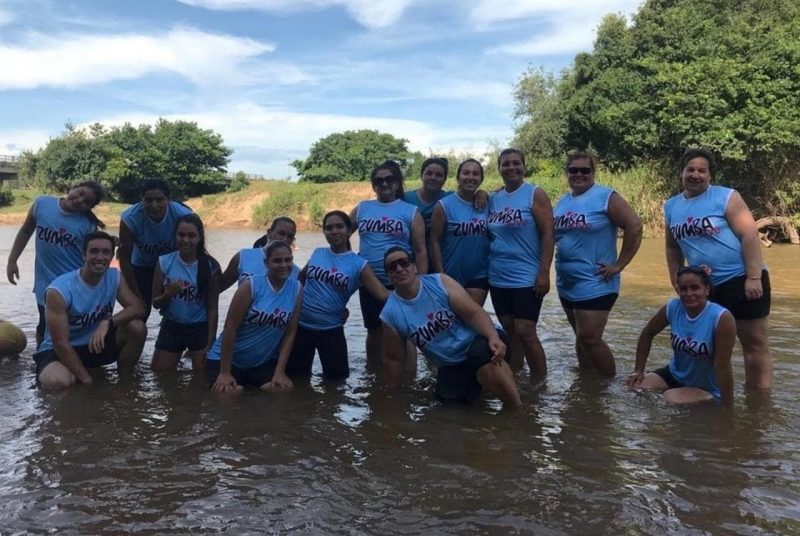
160, 454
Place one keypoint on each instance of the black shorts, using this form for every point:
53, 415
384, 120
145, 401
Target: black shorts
370, 308
516, 302
600, 303
459, 383
255, 376
144, 280
481, 283
668, 378
90, 360
40, 327
332, 347
175, 337
730, 295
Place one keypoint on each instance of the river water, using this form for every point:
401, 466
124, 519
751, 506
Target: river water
161, 454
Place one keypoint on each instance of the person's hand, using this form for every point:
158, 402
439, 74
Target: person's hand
498, 348
225, 383
280, 383
98, 339
753, 289
542, 285
173, 287
12, 272
481, 200
607, 271
634, 379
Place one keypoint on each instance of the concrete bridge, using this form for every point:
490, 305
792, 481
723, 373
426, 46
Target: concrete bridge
8, 167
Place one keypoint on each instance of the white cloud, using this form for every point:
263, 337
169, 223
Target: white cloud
5, 17
486, 12
370, 13
14, 142
75, 60
570, 39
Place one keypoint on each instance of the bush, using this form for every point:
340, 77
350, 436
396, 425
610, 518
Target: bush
6, 199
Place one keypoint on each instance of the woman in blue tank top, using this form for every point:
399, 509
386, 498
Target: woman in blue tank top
521, 251
711, 225
186, 291
282, 228
382, 223
147, 231
587, 219
702, 335
60, 224
259, 331
459, 244
329, 278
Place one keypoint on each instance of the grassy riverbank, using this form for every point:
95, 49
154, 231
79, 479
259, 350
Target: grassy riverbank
306, 203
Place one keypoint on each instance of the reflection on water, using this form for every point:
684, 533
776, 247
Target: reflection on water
160, 454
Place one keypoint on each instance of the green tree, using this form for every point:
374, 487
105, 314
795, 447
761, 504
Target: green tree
721, 74
350, 156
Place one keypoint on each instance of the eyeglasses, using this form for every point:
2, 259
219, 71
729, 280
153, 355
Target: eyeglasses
572, 170
402, 262
389, 179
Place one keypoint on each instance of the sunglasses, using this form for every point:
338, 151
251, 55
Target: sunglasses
402, 263
389, 179
572, 170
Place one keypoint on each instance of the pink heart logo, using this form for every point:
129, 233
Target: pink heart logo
430, 316
62, 230
385, 218
689, 219
334, 270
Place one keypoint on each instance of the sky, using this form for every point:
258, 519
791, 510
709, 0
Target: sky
274, 76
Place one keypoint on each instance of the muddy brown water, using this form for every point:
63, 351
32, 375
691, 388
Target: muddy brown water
158, 454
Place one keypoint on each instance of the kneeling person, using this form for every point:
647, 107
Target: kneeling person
438, 316
81, 330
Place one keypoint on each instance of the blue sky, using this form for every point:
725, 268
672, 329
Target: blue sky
273, 76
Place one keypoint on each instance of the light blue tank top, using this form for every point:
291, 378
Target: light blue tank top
253, 263
465, 242
59, 242
189, 305
430, 323
152, 239
87, 305
425, 209
700, 228
515, 247
381, 226
692, 341
585, 238
259, 336
331, 278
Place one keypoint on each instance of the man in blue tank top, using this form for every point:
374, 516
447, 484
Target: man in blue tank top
82, 330
438, 316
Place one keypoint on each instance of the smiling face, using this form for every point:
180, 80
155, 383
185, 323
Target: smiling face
692, 291
155, 204
98, 255
385, 185
433, 177
400, 269
187, 237
470, 177
696, 176
512, 169
79, 200
283, 231
580, 175
336, 232
280, 263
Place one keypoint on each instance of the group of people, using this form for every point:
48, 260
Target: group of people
427, 261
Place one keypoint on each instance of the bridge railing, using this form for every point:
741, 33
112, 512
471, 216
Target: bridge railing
8, 159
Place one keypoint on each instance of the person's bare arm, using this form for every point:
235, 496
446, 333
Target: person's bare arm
742, 223
473, 314
724, 339
394, 348
237, 310
418, 243
623, 216
674, 256
132, 308
373, 284
438, 226
20, 241
543, 215
125, 252
58, 324
231, 273
655, 326
212, 308
279, 381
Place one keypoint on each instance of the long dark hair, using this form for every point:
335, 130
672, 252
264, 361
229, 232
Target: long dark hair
394, 168
99, 194
206, 264
345, 218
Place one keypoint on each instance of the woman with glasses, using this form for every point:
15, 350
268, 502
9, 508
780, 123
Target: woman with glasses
587, 219
459, 245
520, 252
436, 314
711, 225
702, 335
383, 223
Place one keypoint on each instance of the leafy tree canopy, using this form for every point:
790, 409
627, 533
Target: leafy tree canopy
191, 159
721, 74
350, 156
